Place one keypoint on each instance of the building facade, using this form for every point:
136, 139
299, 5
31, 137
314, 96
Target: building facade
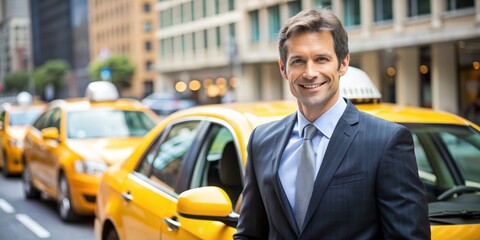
14, 37
126, 28
60, 31
418, 52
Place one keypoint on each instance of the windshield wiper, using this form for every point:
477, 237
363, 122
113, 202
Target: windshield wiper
459, 213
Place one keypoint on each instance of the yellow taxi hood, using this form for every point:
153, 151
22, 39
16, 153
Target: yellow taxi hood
109, 150
17, 132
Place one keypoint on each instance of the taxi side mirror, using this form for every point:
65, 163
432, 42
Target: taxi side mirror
207, 203
50, 133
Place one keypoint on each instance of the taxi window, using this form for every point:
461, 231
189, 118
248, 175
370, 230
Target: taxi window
105, 123
26, 117
465, 150
163, 160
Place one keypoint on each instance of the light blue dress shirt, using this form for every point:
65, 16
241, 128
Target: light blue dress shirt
289, 163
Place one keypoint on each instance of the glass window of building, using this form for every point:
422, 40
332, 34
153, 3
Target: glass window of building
205, 39
182, 16
204, 8
453, 5
163, 47
322, 4
383, 10
273, 22
146, 7
231, 5
294, 7
418, 8
216, 7
254, 27
147, 26
218, 36
194, 41
351, 12
148, 46
149, 65
172, 46
231, 29
192, 10
182, 42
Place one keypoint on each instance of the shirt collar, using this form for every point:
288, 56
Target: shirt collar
326, 122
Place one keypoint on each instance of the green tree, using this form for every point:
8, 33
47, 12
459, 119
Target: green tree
120, 66
16, 82
51, 73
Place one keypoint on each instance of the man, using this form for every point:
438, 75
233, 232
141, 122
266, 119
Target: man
363, 183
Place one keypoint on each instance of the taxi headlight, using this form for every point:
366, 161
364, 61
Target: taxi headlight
90, 167
16, 143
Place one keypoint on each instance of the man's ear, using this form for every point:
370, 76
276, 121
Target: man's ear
344, 65
282, 69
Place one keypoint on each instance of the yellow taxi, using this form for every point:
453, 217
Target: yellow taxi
184, 180
14, 121
69, 146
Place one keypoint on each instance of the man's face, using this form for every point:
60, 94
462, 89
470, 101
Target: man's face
312, 71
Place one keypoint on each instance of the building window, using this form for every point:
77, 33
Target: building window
192, 11
204, 8
172, 46
217, 7
163, 48
205, 39
194, 41
182, 39
148, 46
383, 10
459, 4
231, 5
149, 66
273, 22
218, 36
351, 12
182, 18
147, 26
231, 30
146, 8
318, 4
294, 7
254, 27
418, 7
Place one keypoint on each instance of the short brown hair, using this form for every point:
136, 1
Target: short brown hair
314, 21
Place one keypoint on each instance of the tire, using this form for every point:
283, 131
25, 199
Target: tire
29, 190
111, 235
5, 165
64, 201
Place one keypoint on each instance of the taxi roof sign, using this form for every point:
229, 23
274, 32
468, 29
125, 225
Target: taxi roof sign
101, 91
357, 86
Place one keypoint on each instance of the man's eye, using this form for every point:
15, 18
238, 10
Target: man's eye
295, 62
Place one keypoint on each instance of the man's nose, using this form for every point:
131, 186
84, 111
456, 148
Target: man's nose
311, 70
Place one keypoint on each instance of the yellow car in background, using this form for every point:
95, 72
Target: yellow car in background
75, 140
14, 121
184, 180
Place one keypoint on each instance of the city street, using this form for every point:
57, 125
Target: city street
34, 219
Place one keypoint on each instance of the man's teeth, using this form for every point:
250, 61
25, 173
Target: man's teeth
311, 86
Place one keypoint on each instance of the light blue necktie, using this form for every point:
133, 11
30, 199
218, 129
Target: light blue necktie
305, 175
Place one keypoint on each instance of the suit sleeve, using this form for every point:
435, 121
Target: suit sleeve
253, 223
401, 197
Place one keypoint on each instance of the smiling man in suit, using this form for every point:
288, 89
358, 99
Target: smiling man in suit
328, 171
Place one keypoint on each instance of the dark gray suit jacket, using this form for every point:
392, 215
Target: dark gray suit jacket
367, 187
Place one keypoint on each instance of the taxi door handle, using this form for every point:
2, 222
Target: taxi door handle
172, 223
127, 196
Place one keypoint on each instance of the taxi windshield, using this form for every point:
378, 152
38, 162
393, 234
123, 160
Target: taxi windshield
438, 146
24, 117
107, 123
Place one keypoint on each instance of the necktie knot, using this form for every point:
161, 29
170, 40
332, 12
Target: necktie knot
309, 131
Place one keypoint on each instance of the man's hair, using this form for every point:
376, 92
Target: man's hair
314, 21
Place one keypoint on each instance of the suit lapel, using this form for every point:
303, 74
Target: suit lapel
342, 137
281, 140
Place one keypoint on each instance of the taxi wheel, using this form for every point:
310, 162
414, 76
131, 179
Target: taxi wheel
29, 190
64, 201
111, 235
5, 165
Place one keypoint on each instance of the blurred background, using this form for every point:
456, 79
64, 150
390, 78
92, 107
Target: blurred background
418, 52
